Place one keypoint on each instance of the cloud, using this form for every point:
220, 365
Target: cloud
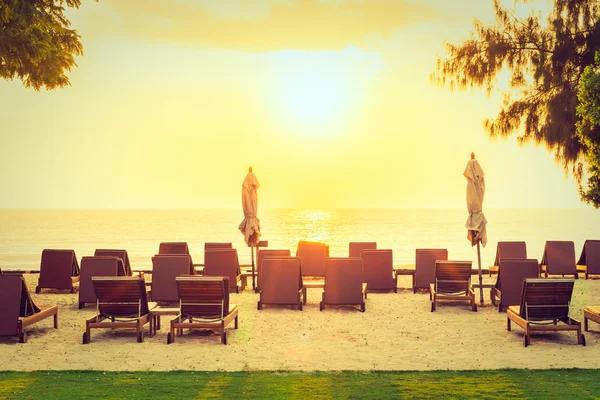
266, 25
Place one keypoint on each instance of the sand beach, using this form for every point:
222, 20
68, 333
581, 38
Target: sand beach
397, 332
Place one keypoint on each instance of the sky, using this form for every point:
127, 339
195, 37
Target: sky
330, 101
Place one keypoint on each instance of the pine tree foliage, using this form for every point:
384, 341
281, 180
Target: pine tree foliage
545, 57
37, 45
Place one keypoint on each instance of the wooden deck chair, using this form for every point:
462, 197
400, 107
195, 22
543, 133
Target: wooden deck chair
344, 284
178, 248
122, 254
18, 311
59, 269
591, 313
425, 267
262, 254
204, 304
217, 245
378, 270
559, 259
96, 266
282, 282
544, 303
355, 248
452, 281
224, 262
509, 283
312, 256
507, 250
122, 303
589, 261
165, 269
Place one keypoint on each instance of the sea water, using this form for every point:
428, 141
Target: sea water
25, 233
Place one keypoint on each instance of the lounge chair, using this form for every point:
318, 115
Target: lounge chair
593, 313
165, 269
344, 284
224, 262
312, 256
217, 245
355, 248
507, 250
177, 248
204, 304
122, 254
509, 283
452, 281
425, 267
262, 254
173, 248
589, 261
559, 259
96, 266
122, 303
18, 310
58, 270
208, 246
544, 303
281, 282
378, 270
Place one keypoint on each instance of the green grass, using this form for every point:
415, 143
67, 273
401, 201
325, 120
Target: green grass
498, 384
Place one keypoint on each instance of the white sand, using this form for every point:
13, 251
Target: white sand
397, 332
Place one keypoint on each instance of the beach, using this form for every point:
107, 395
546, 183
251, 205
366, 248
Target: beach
397, 332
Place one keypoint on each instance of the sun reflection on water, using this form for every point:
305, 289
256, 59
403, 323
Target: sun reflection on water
315, 225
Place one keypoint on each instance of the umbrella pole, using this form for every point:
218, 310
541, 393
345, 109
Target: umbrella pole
480, 277
253, 281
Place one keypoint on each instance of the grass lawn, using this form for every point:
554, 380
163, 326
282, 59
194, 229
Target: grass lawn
497, 384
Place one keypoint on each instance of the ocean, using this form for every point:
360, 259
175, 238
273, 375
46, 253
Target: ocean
25, 233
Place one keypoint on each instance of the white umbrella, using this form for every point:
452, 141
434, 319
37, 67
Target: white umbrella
476, 232
250, 226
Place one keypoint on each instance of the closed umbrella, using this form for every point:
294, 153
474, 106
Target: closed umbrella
250, 226
476, 232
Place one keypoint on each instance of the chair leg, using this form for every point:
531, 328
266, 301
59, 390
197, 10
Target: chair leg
508, 324
236, 322
56, 320
585, 324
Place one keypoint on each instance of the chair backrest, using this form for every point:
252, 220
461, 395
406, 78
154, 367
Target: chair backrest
121, 296
173, 248
312, 256
11, 286
267, 253
590, 256
546, 299
378, 269
511, 274
165, 269
282, 280
222, 262
355, 248
204, 297
343, 280
559, 258
452, 276
95, 266
57, 267
217, 245
208, 246
122, 254
425, 266
510, 250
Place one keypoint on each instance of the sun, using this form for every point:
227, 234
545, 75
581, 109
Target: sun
313, 97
